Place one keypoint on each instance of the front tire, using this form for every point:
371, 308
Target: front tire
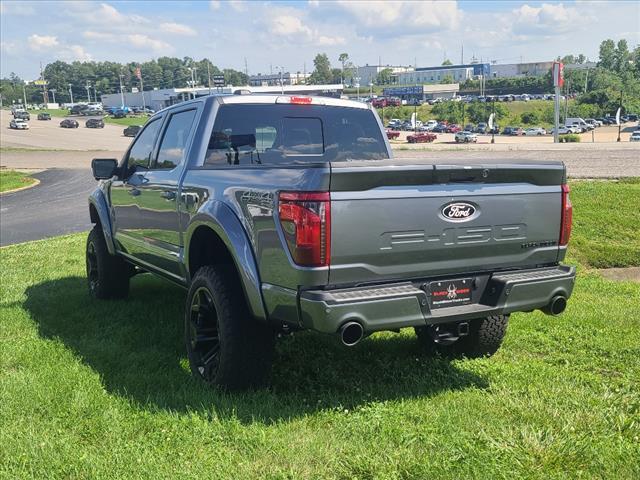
226, 347
107, 275
484, 338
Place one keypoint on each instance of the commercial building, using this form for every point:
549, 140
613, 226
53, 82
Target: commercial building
270, 80
369, 73
513, 70
423, 92
161, 98
458, 73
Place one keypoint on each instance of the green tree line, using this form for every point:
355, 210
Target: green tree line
105, 77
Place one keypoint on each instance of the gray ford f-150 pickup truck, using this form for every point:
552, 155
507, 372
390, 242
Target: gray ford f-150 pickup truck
280, 213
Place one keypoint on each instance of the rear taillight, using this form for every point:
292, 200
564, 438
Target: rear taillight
306, 222
566, 216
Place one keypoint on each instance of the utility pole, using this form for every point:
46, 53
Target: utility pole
493, 120
53, 92
121, 91
88, 88
24, 94
71, 92
618, 116
246, 68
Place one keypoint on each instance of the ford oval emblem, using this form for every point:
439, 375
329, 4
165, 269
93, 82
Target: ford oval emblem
458, 212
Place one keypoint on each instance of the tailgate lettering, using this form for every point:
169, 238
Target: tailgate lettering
420, 239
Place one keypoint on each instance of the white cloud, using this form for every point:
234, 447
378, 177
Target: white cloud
292, 29
75, 52
105, 14
41, 42
139, 40
214, 4
402, 17
238, 5
547, 19
16, 8
177, 29
92, 35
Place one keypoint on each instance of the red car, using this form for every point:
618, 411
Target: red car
422, 137
453, 128
391, 135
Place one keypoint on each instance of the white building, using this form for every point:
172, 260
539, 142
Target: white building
369, 73
270, 80
457, 73
512, 70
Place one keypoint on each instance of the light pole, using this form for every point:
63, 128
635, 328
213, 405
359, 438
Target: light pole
71, 94
618, 116
88, 87
357, 79
493, 120
53, 92
281, 79
24, 94
121, 92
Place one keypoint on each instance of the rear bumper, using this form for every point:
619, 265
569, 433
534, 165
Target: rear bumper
398, 305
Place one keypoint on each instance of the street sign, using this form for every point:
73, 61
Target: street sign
558, 74
218, 80
40, 82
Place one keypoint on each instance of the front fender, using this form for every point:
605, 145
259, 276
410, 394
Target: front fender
99, 202
221, 219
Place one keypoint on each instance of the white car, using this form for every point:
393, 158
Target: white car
431, 124
465, 137
19, 124
635, 136
533, 131
563, 130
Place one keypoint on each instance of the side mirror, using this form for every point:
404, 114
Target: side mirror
104, 168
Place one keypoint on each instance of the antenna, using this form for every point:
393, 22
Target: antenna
462, 53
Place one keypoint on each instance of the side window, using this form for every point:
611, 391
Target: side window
174, 142
142, 147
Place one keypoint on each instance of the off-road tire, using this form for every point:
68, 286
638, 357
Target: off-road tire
107, 275
237, 350
484, 338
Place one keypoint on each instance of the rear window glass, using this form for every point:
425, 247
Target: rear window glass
289, 134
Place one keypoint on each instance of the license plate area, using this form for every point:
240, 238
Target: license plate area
450, 293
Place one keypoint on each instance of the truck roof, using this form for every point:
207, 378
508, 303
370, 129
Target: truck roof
289, 98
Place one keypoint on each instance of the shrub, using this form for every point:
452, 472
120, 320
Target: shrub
529, 118
569, 138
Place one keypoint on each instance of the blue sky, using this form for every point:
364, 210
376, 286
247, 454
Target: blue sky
289, 34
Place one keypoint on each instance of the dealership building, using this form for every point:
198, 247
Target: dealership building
423, 92
275, 79
459, 73
162, 98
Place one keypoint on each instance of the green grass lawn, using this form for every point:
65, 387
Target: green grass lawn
93, 389
125, 122
54, 112
10, 180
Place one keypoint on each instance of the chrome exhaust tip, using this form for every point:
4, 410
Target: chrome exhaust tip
351, 333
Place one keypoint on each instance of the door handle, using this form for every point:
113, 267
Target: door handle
134, 192
168, 195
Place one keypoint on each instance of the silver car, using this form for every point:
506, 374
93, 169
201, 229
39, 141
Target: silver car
19, 124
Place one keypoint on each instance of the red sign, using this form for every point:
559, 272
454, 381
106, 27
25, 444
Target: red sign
558, 74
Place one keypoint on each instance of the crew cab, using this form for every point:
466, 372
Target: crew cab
280, 213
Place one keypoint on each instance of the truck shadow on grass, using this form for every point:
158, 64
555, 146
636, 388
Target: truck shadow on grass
136, 346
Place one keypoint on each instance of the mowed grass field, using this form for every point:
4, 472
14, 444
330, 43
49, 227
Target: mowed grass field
94, 389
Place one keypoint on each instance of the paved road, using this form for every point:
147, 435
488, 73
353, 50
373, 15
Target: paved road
55, 207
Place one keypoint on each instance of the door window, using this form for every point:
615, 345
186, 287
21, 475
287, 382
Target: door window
142, 147
174, 142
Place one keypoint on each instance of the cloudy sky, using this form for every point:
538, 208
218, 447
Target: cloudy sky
289, 34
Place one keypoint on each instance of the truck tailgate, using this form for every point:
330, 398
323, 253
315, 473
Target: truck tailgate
395, 220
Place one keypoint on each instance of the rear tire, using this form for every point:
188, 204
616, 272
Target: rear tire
484, 338
107, 275
226, 346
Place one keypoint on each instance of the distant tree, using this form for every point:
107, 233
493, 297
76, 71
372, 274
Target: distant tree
322, 70
530, 118
607, 54
384, 76
447, 62
343, 58
447, 79
621, 56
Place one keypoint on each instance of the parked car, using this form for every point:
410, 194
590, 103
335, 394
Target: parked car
440, 128
465, 137
469, 127
394, 123
453, 128
430, 125
119, 114
94, 123
533, 131
593, 122
131, 131
421, 137
78, 109
392, 135
22, 115
44, 116
562, 130
635, 136
454, 264
481, 128
512, 131
69, 123
19, 124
